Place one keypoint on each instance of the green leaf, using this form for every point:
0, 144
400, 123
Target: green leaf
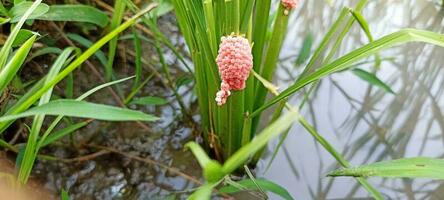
344, 62
148, 101
263, 183
163, 8
4, 20
183, 80
83, 109
372, 79
18, 1
62, 132
75, 13
212, 170
3, 10
87, 43
31, 144
362, 22
138, 58
19, 158
10, 70
47, 138
22, 36
44, 51
64, 195
305, 51
95, 89
202, 193
20, 9
270, 132
418, 167
119, 11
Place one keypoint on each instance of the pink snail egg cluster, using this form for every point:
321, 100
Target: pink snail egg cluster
289, 4
234, 62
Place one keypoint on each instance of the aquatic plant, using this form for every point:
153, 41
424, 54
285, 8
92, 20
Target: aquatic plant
230, 130
234, 46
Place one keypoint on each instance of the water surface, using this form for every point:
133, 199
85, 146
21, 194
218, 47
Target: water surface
365, 123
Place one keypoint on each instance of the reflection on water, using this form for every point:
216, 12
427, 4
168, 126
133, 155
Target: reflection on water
366, 124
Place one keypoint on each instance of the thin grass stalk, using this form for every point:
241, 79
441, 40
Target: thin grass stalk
271, 58
169, 78
160, 35
210, 23
138, 62
119, 10
260, 24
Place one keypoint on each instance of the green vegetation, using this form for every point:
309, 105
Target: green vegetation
235, 134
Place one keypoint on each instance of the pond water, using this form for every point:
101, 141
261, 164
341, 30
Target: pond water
366, 124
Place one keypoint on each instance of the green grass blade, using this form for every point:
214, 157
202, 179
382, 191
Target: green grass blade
325, 41
372, 79
272, 131
62, 133
138, 62
362, 22
271, 58
260, 32
202, 193
44, 51
88, 43
22, 37
23, 104
149, 101
419, 167
75, 13
95, 89
199, 153
321, 140
64, 195
3, 10
43, 140
119, 10
31, 146
247, 12
344, 62
263, 183
136, 90
20, 9
83, 109
4, 52
305, 51
14, 64
212, 170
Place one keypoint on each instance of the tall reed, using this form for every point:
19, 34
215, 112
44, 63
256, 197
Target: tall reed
230, 129
203, 24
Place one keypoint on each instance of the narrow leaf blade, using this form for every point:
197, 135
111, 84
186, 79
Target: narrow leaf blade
83, 109
372, 79
418, 167
263, 183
